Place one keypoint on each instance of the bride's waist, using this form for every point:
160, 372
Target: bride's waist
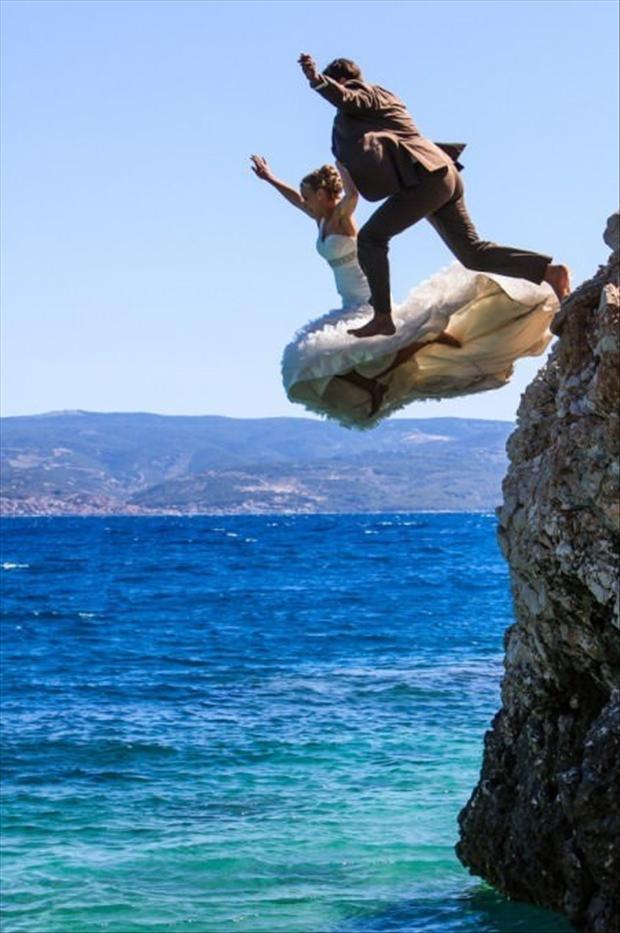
344, 260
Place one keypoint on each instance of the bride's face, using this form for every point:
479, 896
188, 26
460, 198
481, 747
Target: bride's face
319, 201
309, 197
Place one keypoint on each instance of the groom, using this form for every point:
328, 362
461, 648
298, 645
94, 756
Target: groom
387, 157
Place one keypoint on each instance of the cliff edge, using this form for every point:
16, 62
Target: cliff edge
543, 823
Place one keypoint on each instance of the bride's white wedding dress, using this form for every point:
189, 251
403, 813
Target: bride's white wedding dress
497, 319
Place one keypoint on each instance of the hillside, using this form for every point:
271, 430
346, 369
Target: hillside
72, 463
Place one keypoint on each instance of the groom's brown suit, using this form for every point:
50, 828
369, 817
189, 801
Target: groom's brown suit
387, 157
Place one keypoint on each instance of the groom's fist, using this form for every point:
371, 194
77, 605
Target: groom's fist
308, 66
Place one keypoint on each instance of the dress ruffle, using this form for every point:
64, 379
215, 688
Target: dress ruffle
497, 319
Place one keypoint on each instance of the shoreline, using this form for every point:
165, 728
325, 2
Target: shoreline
227, 514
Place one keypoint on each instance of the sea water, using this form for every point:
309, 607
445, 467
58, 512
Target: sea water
249, 723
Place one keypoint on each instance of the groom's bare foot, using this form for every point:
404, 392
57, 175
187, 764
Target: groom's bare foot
380, 324
558, 278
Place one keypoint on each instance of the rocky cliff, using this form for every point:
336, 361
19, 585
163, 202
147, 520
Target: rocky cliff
543, 824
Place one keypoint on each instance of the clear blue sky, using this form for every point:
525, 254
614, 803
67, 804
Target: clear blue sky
145, 268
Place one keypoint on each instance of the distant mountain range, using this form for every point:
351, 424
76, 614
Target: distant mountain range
85, 463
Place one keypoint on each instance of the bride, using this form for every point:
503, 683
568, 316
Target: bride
459, 332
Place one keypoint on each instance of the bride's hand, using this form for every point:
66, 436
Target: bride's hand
349, 185
344, 172
261, 168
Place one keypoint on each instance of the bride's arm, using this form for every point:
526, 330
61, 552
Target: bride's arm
263, 171
348, 202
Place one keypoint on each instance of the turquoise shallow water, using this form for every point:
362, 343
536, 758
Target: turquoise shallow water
249, 723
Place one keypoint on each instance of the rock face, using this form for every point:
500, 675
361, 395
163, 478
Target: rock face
543, 824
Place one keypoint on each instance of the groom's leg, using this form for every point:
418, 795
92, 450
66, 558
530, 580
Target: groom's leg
454, 225
399, 212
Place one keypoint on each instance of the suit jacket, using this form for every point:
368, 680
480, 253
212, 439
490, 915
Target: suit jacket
374, 136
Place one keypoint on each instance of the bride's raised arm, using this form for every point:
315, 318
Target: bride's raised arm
348, 202
262, 170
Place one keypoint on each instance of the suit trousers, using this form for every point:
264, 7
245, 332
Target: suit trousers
438, 197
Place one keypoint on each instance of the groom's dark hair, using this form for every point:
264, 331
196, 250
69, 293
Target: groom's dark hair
343, 69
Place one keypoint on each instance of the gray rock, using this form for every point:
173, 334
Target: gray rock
543, 824
612, 232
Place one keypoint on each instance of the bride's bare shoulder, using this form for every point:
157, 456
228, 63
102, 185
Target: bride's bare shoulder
344, 224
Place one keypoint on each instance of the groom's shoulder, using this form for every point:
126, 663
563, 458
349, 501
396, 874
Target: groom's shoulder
389, 95
383, 94
356, 84
382, 97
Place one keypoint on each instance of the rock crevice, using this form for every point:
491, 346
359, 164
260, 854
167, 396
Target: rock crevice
543, 823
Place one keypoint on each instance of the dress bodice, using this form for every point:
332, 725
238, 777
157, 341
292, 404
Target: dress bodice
340, 252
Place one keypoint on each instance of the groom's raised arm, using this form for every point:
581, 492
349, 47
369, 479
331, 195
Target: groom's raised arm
345, 98
351, 100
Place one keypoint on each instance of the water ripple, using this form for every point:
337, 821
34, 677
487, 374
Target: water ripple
249, 723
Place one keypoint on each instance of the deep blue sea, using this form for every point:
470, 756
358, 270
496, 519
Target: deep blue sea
253, 724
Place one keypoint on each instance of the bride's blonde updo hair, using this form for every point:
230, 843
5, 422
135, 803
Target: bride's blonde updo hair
326, 177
